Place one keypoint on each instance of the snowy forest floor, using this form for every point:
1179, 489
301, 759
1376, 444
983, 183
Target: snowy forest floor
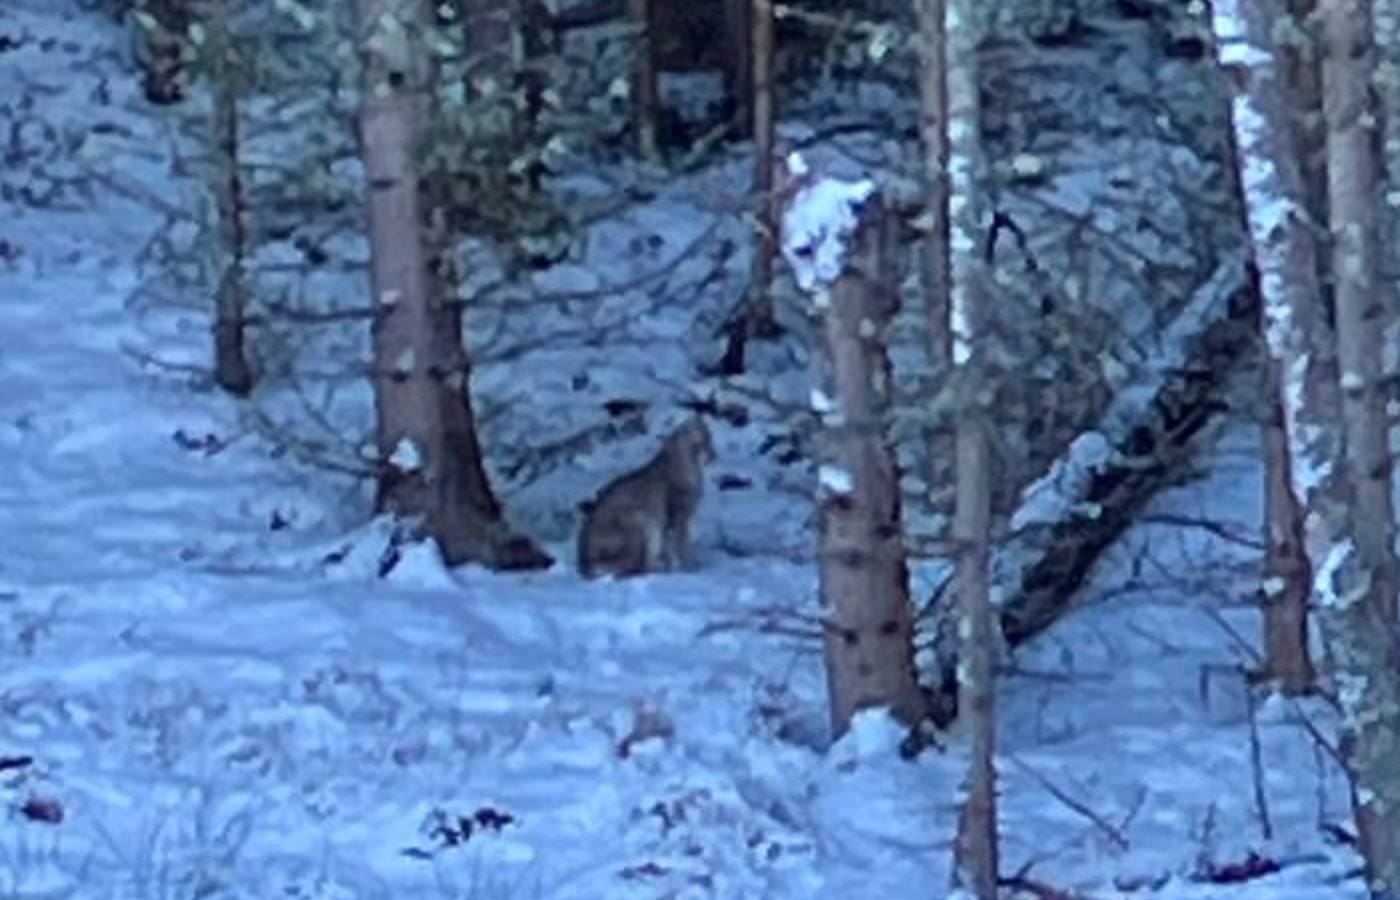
211, 709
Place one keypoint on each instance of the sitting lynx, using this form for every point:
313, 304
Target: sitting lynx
640, 522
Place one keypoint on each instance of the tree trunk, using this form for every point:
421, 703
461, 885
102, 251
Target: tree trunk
1353, 189
759, 312
1287, 573
1346, 577
737, 59
862, 570
1287, 578
647, 98
162, 42
933, 106
430, 460
1386, 17
231, 369
975, 853
1361, 602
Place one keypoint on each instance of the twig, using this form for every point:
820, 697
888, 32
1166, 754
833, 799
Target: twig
1308, 725
1098, 821
1222, 530
1256, 763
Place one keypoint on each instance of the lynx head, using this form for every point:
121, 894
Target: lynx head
692, 441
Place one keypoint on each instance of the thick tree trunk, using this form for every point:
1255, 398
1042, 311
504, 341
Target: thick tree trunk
1262, 94
975, 853
863, 576
1348, 575
1386, 18
431, 462
1353, 188
1361, 603
231, 369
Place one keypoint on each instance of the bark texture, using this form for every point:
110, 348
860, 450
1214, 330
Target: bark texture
863, 575
1353, 190
975, 854
430, 459
1359, 581
1287, 585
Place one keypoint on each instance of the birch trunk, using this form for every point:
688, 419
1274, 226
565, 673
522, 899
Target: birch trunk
1362, 642
1386, 18
1359, 595
975, 853
933, 107
1353, 188
430, 459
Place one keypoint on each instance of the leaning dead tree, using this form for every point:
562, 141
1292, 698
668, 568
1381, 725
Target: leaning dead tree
430, 466
1350, 570
1093, 492
836, 237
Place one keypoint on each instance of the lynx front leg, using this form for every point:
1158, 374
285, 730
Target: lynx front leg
654, 548
678, 547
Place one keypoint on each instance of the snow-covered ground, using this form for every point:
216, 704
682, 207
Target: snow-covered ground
208, 693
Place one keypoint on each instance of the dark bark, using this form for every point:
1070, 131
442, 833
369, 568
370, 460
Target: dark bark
864, 582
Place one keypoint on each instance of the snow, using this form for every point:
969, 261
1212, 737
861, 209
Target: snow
817, 223
225, 701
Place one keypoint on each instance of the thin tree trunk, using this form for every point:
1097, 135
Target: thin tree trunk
738, 61
431, 462
975, 855
231, 369
759, 312
1287, 583
933, 105
646, 96
1353, 189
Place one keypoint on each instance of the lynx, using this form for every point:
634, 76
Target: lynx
640, 522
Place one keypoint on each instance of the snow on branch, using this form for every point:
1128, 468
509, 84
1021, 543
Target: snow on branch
818, 221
